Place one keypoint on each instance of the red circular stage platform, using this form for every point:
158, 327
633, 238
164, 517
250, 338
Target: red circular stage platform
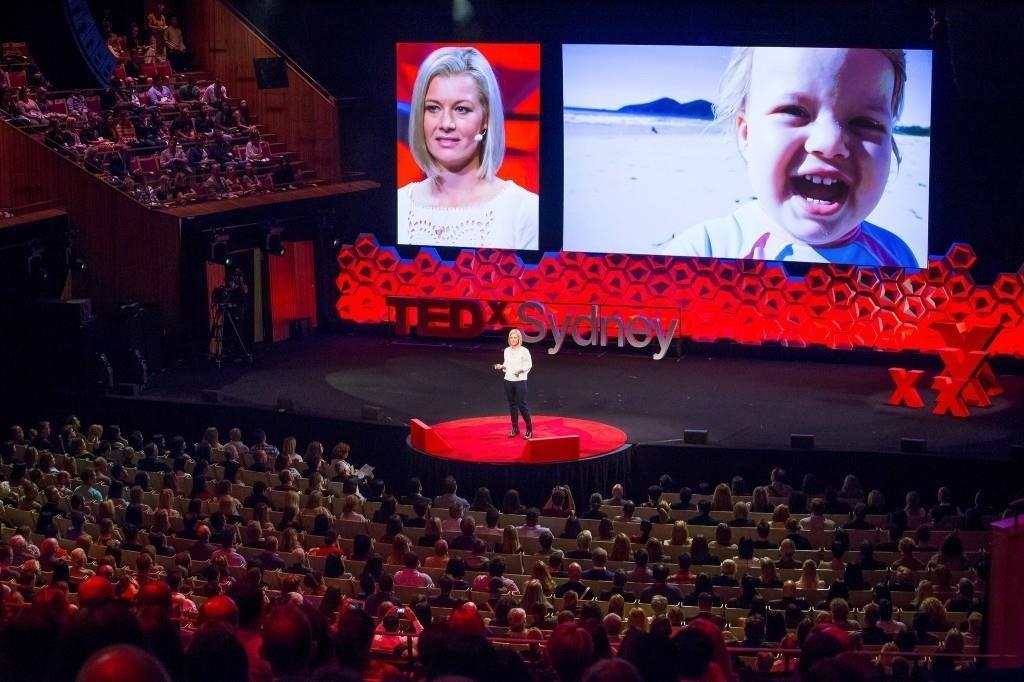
484, 440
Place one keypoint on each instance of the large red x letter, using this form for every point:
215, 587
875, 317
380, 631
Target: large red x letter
949, 399
905, 392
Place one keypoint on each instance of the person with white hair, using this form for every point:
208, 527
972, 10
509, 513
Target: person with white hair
457, 138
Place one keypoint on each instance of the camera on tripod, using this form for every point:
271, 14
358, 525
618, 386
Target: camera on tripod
228, 301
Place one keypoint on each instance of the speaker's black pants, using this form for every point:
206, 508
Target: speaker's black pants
515, 391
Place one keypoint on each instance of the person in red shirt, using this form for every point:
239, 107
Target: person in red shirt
330, 546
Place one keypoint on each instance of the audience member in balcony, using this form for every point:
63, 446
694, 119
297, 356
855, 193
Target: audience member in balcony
236, 125
206, 123
219, 151
28, 108
177, 51
254, 148
56, 137
173, 157
77, 105
159, 92
183, 127
135, 42
182, 189
215, 94
156, 25
189, 91
284, 175
197, 157
115, 45
151, 129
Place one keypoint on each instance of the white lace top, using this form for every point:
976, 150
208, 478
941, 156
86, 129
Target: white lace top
509, 220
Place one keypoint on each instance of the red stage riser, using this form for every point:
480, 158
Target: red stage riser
752, 302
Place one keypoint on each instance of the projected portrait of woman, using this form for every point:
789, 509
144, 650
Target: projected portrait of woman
457, 137
815, 129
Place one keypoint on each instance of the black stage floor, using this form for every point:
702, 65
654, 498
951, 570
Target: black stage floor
745, 401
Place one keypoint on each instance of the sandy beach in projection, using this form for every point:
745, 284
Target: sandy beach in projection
629, 189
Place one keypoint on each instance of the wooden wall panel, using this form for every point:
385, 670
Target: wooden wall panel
133, 253
302, 116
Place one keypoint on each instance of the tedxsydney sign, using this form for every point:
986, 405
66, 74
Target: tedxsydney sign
467, 318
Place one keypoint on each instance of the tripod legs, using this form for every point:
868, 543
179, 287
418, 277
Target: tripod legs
221, 348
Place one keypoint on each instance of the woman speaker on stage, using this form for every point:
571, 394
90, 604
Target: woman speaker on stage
516, 366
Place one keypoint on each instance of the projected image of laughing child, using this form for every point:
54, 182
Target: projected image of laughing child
815, 129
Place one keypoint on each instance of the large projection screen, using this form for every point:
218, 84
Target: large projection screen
736, 152
468, 144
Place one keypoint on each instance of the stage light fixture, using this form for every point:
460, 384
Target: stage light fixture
219, 252
273, 245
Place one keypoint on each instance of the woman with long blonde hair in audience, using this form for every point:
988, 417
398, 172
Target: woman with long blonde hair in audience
165, 501
318, 483
212, 438
431, 532
760, 503
542, 573
721, 499
315, 506
261, 515
620, 548
925, 590
79, 571
288, 540
161, 522
106, 510
314, 456
510, 541
655, 550
400, 544
533, 593
289, 448
290, 518
108, 532
680, 535
617, 605
809, 576
769, 576
637, 620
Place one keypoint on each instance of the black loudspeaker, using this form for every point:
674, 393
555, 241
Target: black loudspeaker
914, 446
271, 72
372, 413
209, 395
285, 405
801, 441
128, 389
695, 436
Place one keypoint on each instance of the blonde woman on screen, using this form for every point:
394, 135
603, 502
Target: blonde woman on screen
457, 137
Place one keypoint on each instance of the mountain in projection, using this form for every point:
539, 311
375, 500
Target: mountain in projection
666, 106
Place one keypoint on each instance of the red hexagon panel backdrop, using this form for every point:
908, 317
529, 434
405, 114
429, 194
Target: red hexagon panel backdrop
751, 302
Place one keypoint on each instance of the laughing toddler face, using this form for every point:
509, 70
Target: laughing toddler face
816, 134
